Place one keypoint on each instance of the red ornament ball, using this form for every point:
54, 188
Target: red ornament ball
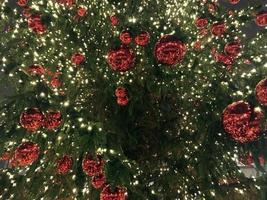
36, 70
64, 164
35, 24
225, 59
261, 92
53, 120
55, 82
92, 166
122, 101
241, 122
120, 92
31, 119
26, 153
26, 12
125, 37
114, 20
261, 19
22, 3
234, 2
218, 29
77, 58
201, 22
121, 59
142, 39
82, 11
232, 49
197, 45
98, 181
118, 193
169, 50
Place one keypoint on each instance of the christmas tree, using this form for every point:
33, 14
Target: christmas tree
133, 99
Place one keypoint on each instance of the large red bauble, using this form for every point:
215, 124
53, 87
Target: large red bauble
31, 119
121, 59
142, 39
218, 29
169, 50
234, 1
92, 166
53, 119
232, 49
201, 22
261, 19
98, 181
125, 37
241, 122
64, 164
261, 92
119, 193
25, 154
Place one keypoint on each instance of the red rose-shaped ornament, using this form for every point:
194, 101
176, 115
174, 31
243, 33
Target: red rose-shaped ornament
261, 19
64, 164
218, 29
92, 166
77, 58
120, 92
169, 50
232, 49
25, 154
35, 24
241, 122
142, 39
22, 3
31, 119
122, 101
234, 2
261, 92
118, 193
98, 181
36, 70
201, 22
125, 37
53, 119
82, 11
121, 59
114, 20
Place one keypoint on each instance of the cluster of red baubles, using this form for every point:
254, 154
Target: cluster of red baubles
122, 98
141, 39
32, 119
241, 121
217, 29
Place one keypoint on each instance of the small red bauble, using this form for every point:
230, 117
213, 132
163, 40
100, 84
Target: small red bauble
119, 193
169, 50
241, 122
26, 12
22, 3
121, 59
35, 24
122, 101
142, 39
225, 59
197, 45
201, 22
232, 49
36, 70
114, 20
261, 19
234, 1
92, 166
82, 11
31, 119
64, 164
25, 154
55, 82
98, 181
261, 92
218, 29
77, 58
53, 119
125, 37
5, 156
120, 92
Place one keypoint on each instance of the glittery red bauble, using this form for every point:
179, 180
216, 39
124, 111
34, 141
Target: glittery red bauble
201, 22
55, 82
77, 58
121, 59
31, 119
125, 37
241, 122
35, 24
232, 49
120, 92
261, 19
36, 70
92, 166
82, 11
64, 164
122, 101
234, 1
142, 39
22, 3
261, 92
225, 59
218, 29
26, 153
119, 193
169, 50
98, 181
114, 20
53, 119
